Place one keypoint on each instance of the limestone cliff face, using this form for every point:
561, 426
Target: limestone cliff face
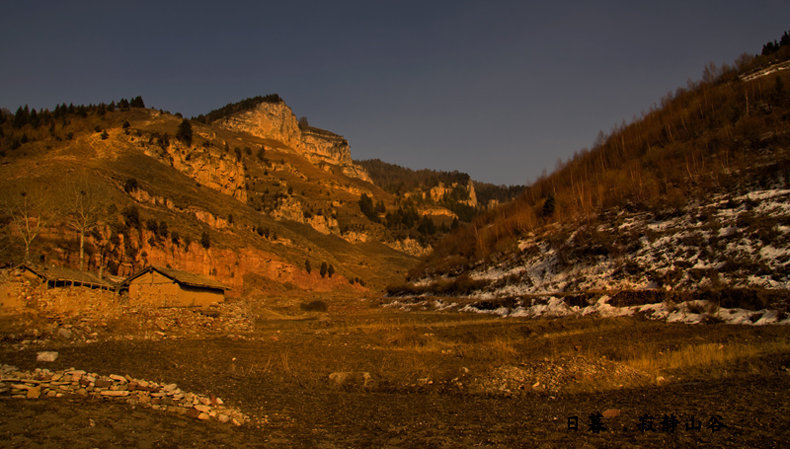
210, 168
437, 193
276, 121
322, 147
273, 121
291, 209
454, 190
409, 246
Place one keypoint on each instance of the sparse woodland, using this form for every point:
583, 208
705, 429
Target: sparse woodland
719, 135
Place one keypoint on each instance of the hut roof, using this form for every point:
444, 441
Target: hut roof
181, 277
61, 274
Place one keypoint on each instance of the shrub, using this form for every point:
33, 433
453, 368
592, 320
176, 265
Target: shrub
314, 306
162, 231
130, 185
152, 226
131, 216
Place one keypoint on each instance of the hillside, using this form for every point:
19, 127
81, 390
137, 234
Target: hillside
249, 198
693, 195
454, 190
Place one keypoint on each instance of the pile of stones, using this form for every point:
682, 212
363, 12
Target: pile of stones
136, 392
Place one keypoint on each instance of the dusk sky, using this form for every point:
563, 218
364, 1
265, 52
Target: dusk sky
496, 89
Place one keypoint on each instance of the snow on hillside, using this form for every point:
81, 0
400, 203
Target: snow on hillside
688, 312
739, 242
735, 244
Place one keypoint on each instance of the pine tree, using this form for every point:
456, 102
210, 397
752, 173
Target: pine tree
137, 102
549, 206
21, 117
184, 133
324, 269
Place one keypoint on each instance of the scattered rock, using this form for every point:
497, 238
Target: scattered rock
47, 356
611, 413
161, 324
339, 377
64, 333
551, 376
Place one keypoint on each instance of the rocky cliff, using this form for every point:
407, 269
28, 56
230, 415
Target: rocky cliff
276, 121
464, 192
273, 121
207, 166
322, 147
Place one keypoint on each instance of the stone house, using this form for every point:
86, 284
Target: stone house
64, 277
166, 287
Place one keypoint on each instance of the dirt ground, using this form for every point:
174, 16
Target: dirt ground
359, 376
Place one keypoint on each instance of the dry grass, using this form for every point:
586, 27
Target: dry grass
435, 344
704, 356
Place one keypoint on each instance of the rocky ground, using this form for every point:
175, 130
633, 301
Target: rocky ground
373, 377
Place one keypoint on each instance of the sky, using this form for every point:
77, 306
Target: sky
497, 89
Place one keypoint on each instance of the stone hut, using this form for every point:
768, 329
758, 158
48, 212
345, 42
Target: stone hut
64, 277
166, 287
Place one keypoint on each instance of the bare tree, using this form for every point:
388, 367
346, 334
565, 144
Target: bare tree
28, 213
5, 234
83, 206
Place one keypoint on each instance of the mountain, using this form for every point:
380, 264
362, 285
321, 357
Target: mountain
246, 194
692, 196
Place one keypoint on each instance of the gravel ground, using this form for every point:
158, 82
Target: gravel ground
754, 411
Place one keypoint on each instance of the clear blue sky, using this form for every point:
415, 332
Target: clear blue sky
497, 89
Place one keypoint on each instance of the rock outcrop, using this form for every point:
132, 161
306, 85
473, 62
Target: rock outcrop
409, 246
322, 147
291, 209
437, 193
209, 167
273, 121
276, 121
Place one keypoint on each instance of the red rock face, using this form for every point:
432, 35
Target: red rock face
225, 265
229, 267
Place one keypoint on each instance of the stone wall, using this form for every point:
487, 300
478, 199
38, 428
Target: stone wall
43, 383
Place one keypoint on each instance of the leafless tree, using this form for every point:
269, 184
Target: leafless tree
83, 206
28, 212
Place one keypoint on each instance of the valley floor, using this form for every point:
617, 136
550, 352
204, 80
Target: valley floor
359, 375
